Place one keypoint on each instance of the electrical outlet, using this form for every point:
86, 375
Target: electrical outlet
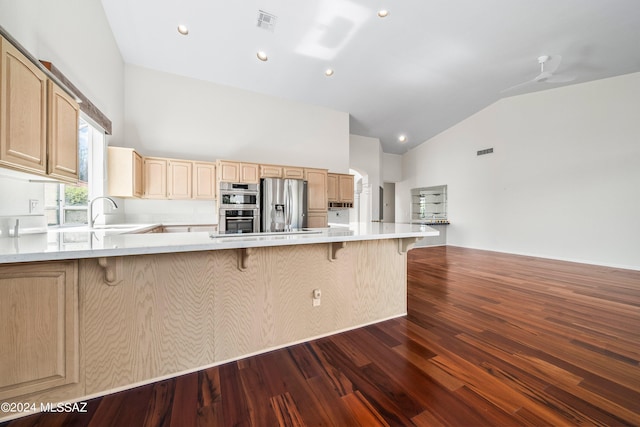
33, 205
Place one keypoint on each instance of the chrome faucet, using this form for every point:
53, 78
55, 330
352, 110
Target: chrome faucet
92, 219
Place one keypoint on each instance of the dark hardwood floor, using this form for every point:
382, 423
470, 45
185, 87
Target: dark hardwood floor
490, 340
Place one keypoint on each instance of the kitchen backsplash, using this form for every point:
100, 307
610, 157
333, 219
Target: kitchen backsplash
16, 192
339, 216
140, 211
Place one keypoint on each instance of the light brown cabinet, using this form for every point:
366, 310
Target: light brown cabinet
270, 171
317, 219
228, 171
23, 112
292, 173
345, 188
179, 179
62, 136
248, 173
284, 172
124, 172
38, 120
316, 197
131, 175
204, 180
332, 187
155, 178
39, 314
340, 189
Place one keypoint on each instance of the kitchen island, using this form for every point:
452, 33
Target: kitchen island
98, 311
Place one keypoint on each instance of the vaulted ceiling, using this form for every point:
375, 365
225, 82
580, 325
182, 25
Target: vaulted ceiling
424, 67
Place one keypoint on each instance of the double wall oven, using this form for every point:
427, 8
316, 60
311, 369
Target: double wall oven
239, 208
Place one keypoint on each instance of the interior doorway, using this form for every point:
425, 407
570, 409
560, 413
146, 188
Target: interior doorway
389, 202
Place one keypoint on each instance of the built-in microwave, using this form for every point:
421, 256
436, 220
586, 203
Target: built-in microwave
239, 196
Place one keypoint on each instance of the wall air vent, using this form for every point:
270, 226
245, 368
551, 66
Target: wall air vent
266, 20
485, 151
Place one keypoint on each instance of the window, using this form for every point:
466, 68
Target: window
66, 204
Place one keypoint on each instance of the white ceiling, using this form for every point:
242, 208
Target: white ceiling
426, 66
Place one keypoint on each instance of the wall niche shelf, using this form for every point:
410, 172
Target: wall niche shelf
429, 205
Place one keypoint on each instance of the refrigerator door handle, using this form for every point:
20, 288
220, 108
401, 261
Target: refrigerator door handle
287, 205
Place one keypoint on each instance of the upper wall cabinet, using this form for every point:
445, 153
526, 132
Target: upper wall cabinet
131, 175
62, 134
248, 173
270, 171
345, 188
179, 179
204, 180
292, 173
23, 112
37, 120
340, 190
124, 172
155, 178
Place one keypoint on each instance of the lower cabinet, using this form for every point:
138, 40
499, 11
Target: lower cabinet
39, 336
317, 219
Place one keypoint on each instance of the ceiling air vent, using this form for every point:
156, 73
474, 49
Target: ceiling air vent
266, 20
485, 151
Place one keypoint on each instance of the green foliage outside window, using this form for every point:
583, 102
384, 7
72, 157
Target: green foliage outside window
76, 196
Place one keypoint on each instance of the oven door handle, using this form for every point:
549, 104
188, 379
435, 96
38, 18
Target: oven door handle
246, 218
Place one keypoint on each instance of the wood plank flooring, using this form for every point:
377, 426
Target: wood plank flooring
490, 340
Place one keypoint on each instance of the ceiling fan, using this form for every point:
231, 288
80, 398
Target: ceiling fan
548, 65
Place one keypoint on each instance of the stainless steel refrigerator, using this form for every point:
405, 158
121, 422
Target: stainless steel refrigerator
283, 204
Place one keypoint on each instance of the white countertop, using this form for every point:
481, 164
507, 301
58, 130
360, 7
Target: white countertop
76, 243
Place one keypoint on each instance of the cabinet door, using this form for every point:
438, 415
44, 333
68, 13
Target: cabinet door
179, 179
204, 180
317, 219
249, 173
137, 175
124, 172
62, 134
155, 178
345, 194
39, 318
23, 112
269, 171
316, 189
228, 171
332, 187
293, 173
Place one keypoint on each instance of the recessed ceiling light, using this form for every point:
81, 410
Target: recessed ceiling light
182, 29
383, 13
262, 56
328, 72
402, 139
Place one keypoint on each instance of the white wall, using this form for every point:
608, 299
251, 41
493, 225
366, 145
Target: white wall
173, 116
563, 181
365, 156
391, 167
